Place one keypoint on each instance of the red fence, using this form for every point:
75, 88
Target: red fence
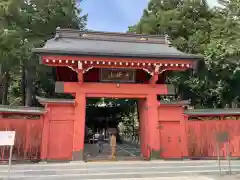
201, 137
28, 138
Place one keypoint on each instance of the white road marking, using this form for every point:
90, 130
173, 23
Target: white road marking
172, 178
120, 173
178, 178
166, 178
118, 168
82, 163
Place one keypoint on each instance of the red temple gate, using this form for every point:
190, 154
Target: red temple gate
41, 134
128, 66
114, 65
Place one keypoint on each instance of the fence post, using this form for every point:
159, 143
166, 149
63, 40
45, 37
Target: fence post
228, 157
218, 154
184, 123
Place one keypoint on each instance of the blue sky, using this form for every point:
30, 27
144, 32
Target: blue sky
115, 15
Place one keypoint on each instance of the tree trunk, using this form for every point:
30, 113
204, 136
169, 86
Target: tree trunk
54, 74
29, 73
23, 85
5, 88
133, 124
51, 93
1, 91
2, 75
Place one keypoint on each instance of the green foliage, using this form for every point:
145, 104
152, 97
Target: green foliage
26, 24
192, 26
214, 33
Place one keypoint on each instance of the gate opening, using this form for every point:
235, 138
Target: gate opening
109, 121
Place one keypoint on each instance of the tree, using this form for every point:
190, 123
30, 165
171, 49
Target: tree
10, 45
195, 28
35, 21
222, 53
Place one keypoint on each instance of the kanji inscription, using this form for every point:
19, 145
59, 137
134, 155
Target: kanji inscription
117, 75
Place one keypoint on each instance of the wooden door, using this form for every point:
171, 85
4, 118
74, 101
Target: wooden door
60, 140
170, 140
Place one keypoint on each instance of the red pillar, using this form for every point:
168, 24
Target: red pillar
143, 129
79, 127
153, 134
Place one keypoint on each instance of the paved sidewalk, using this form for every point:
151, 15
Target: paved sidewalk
226, 177
183, 178
123, 170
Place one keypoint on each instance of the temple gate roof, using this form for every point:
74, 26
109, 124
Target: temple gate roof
75, 42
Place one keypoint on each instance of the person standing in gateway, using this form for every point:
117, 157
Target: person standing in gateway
100, 142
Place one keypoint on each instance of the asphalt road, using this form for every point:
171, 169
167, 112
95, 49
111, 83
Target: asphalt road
162, 170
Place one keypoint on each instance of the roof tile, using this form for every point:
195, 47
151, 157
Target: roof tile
73, 42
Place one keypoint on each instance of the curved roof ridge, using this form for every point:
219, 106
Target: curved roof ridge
111, 36
76, 42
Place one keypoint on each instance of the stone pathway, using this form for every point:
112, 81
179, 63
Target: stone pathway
123, 151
